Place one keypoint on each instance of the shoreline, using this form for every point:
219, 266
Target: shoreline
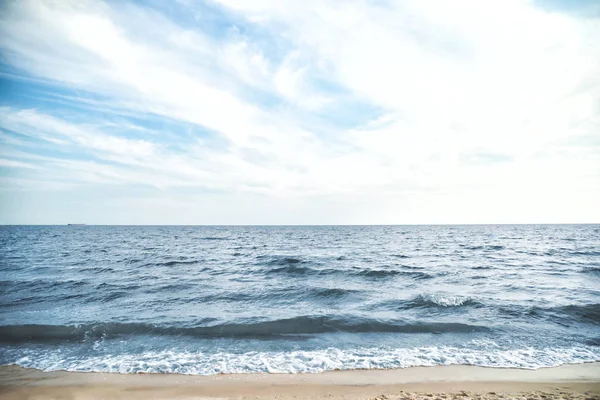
17, 367
565, 381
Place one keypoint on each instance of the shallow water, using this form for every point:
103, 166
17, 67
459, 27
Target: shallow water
203, 300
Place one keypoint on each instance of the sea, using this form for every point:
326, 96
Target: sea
207, 300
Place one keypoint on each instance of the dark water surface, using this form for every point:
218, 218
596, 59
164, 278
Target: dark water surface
204, 300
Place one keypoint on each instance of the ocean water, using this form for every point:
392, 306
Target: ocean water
206, 300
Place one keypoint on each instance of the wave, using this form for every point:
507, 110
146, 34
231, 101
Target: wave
285, 260
98, 270
563, 315
429, 301
171, 263
400, 256
288, 294
442, 300
108, 297
385, 273
484, 247
593, 342
170, 287
570, 252
295, 269
42, 284
585, 253
332, 292
591, 270
585, 313
308, 361
292, 326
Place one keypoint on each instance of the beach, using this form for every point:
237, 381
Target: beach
579, 381
288, 200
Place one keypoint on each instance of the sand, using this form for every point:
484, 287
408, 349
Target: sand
581, 381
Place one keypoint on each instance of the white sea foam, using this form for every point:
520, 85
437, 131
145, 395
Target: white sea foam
446, 300
308, 361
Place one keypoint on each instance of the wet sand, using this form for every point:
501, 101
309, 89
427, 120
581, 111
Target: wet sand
580, 381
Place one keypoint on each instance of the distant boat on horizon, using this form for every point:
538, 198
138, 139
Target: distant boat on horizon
76, 224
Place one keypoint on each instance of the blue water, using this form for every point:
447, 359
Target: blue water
205, 300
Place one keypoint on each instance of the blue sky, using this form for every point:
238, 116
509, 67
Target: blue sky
299, 112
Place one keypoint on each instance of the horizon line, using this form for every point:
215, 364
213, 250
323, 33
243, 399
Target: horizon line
309, 225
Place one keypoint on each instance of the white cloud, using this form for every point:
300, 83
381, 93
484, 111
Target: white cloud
32, 123
461, 85
16, 164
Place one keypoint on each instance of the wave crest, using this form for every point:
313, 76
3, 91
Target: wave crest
443, 300
199, 363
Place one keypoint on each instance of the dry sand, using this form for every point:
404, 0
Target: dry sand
580, 381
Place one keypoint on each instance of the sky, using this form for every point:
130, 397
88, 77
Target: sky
299, 112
